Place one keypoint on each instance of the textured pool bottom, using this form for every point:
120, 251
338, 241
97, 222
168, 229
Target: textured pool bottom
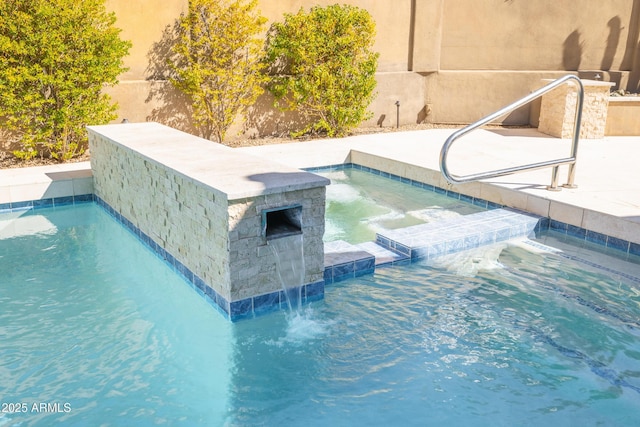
344, 261
599, 368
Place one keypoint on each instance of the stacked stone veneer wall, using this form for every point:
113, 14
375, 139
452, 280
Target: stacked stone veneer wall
558, 109
165, 183
252, 267
187, 220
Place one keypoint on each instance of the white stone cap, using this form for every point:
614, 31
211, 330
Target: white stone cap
585, 82
624, 99
236, 174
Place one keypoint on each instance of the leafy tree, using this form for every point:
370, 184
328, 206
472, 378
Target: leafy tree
322, 66
55, 57
217, 61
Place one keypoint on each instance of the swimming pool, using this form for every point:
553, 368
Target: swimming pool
536, 333
361, 203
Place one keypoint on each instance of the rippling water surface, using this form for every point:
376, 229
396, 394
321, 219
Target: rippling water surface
515, 334
361, 204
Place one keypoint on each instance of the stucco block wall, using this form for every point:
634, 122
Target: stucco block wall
445, 61
466, 96
168, 106
623, 116
407, 88
542, 35
459, 61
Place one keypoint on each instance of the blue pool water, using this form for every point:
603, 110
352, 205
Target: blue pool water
521, 333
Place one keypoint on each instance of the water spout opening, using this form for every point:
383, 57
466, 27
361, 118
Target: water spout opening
282, 222
282, 228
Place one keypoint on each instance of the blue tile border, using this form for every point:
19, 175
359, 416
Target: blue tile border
41, 204
545, 223
344, 261
53, 202
419, 184
348, 270
580, 233
235, 310
587, 262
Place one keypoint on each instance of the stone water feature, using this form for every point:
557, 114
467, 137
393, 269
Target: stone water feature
211, 211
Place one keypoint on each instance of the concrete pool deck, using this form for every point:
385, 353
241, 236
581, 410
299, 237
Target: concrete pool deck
606, 201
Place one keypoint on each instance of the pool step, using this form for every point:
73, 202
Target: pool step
384, 256
426, 241
343, 261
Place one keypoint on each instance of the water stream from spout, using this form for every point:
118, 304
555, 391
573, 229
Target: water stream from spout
289, 254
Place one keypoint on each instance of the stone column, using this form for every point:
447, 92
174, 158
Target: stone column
557, 112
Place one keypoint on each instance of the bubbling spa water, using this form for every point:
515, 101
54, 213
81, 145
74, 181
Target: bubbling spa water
360, 204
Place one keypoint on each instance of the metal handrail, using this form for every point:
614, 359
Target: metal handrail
571, 161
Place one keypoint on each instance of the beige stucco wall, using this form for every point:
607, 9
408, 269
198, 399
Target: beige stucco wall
391, 17
142, 22
495, 51
622, 116
463, 96
142, 97
538, 35
450, 61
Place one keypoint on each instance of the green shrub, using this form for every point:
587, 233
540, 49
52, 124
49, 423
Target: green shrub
217, 61
322, 66
55, 57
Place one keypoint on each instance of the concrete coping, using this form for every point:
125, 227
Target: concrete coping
236, 174
624, 99
586, 83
